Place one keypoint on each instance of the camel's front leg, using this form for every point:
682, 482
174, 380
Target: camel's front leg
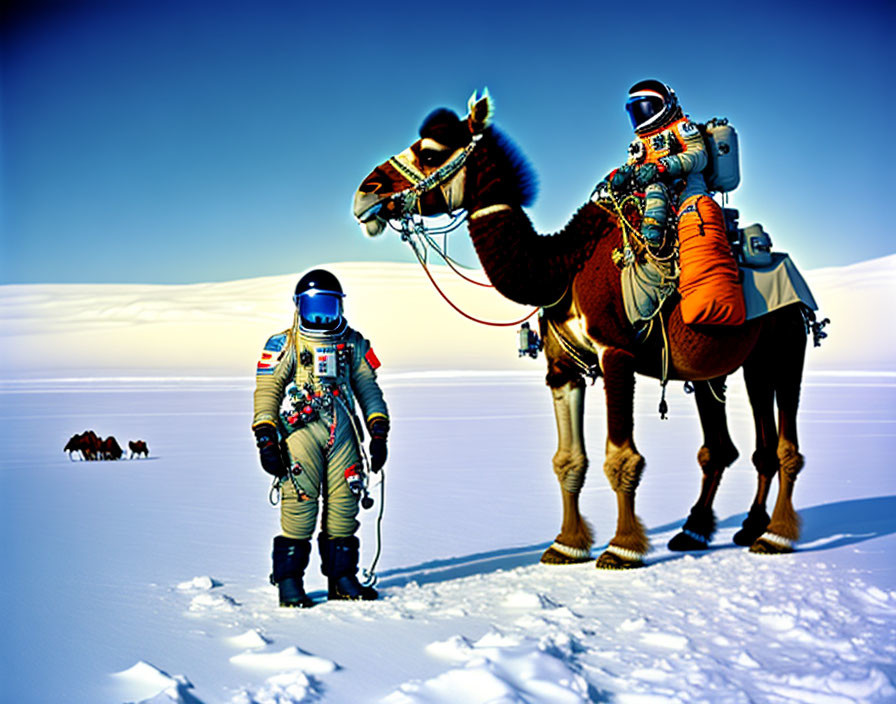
573, 544
623, 465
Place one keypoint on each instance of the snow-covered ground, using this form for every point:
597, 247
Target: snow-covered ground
146, 580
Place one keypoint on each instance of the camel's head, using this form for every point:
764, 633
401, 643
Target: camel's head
428, 177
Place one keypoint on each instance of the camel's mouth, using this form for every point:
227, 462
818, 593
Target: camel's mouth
374, 227
369, 211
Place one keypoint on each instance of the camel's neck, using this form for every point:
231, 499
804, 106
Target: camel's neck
524, 266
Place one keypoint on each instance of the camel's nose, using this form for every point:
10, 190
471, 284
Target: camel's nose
366, 208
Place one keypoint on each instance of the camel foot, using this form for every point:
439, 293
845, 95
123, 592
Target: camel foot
688, 541
753, 526
558, 554
611, 560
772, 544
697, 531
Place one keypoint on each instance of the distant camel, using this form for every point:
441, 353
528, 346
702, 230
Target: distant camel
138, 447
91, 447
110, 449
86, 443
74, 445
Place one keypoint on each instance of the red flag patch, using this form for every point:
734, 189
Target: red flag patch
371, 359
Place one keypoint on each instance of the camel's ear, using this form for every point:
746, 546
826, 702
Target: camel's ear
480, 111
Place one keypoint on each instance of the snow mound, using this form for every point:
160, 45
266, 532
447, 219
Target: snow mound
250, 640
144, 682
288, 659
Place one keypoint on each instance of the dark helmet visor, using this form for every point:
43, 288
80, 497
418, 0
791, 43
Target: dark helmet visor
320, 308
641, 108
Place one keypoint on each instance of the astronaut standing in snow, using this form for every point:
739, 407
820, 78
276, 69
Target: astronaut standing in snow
307, 382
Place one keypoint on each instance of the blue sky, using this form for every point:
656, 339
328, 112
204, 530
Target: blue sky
176, 142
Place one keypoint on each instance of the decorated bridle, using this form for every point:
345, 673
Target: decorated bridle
413, 228
408, 199
406, 203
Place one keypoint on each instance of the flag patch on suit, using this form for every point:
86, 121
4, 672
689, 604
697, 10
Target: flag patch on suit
271, 354
372, 359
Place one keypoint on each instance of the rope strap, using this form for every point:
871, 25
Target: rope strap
463, 313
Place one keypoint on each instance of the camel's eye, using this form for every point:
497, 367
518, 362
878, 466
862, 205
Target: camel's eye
432, 157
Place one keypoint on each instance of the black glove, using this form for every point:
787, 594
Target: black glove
269, 450
646, 174
379, 429
620, 178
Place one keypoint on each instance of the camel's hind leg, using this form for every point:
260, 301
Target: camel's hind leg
773, 372
573, 544
784, 528
716, 454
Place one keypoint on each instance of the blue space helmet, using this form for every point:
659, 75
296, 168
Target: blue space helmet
318, 297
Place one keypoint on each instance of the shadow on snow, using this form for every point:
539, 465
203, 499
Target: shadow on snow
825, 526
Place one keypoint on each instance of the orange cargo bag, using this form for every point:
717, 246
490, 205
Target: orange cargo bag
709, 283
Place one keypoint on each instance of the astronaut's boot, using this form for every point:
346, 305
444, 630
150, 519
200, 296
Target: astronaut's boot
290, 560
339, 562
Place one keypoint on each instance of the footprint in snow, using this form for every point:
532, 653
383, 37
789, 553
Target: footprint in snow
527, 600
220, 603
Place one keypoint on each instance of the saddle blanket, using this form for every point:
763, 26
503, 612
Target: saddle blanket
774, 286
646, 286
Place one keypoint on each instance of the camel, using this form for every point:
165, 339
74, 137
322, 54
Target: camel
73, 445
468, 165
110, 449
87, 444
137, 448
